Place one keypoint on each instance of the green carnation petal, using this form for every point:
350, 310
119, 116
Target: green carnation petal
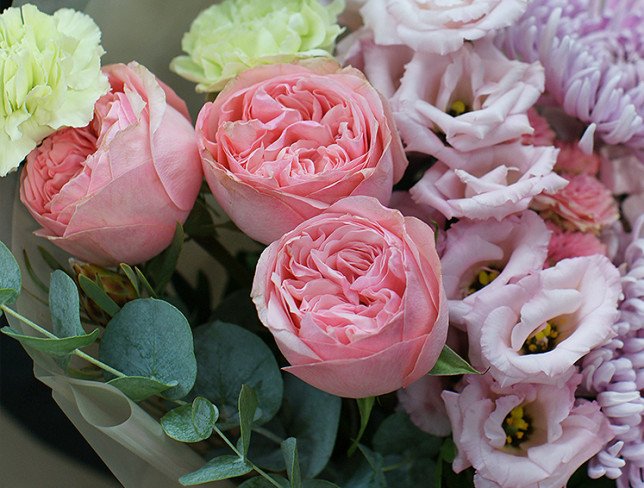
230, 37
51, 77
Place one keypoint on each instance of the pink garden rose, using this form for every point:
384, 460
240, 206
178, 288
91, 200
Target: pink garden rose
354, 299
525, 436
437, 26
572, 160
113, 191
283, 142
482, 255
475, 98
585, 204
535, 330
569, 244
490, 183
543, 134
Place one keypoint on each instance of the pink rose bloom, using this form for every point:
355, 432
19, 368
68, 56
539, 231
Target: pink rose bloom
437, 26
573, 161
566, 244
422, 401
354, 299
528, 436
543, 134
113, 191
283, 142
535, 330
482, 255
490, 183
584, 204
475, 97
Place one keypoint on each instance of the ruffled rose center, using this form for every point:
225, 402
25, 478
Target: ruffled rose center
342, 283
290, 131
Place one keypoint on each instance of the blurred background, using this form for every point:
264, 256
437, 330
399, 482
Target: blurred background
39, 447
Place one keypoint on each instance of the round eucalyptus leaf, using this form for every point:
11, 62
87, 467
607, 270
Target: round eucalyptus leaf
10, 277
228, 357
190, 423
152, 339
64, 305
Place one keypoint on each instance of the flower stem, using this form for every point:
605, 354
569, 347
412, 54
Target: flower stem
268, 434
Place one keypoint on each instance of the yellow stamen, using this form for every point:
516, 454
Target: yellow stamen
457, 108
517, 426
542, 341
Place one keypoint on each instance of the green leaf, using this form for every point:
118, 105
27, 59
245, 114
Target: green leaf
229, 356
10, 277
369, 474
131, 275
260, 482
32, 274
247, 406
289, 451
144, 281
365, 405
318, 484
219, 468
98, 295
161, 267
152, 339
199, 222
64, 305
413, 450
191, 423
51, 261
449, 363
448, 450
55, 347
308, 414
138, 388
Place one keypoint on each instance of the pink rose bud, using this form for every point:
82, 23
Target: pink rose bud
584, 204
113, 191
283, 142
354, 299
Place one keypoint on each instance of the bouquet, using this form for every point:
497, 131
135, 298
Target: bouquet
424, 221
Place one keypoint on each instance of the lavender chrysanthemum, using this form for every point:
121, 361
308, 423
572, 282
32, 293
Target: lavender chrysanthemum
593, 54
615, 373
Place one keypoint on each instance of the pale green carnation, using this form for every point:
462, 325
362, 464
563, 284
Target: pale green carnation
235, 35
50, 77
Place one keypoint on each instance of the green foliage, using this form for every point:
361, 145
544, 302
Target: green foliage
152, 339
312, 417
247, 406
409, 449
191, 423
51, 261
365, 405
98, 295
131, 275
138, 388
161, 267
219, 468
53, 346
369, 473
10, 277
228, 357
64, 305
449, 363
259, 482
289, 451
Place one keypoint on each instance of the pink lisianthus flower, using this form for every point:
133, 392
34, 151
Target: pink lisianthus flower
481, 255
543, 134
113, 191
436, 26
383, 66
573, 161
584, 204
490, 183
354, 299
283, 142
527, 435
537, 328
422, 401
476, 97
570, 244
